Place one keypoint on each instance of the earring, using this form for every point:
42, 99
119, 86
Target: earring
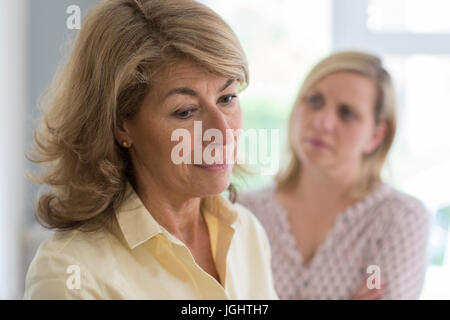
125, 144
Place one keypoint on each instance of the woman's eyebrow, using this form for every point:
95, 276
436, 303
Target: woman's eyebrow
227, 84
184, 91
191, 92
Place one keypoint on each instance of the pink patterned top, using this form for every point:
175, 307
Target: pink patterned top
387, 229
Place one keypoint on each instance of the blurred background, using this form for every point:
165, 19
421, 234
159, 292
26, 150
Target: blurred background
282, 39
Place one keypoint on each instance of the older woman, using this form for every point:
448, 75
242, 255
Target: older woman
132, 222
336, 230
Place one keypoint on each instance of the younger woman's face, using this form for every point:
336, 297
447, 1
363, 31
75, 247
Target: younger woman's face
334, 122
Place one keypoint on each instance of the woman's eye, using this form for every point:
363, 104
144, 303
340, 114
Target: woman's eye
346, 113
315, 100
228, 99
184, 114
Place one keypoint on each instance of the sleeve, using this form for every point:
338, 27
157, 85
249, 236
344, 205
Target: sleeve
58, 277
401, 254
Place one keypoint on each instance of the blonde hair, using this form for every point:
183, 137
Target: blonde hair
111, 68
384, 109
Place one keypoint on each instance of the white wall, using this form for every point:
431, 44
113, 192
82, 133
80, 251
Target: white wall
13, 97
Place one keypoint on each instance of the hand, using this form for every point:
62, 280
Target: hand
364, 293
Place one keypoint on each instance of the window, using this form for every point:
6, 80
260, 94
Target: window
416, 16
281, 48
283, 39
413, 38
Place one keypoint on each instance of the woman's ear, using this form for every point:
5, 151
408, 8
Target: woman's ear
122, 133
378, 136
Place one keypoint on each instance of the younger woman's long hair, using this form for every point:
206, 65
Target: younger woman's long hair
384, 109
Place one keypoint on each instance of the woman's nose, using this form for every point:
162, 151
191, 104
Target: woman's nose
217, 121
324, 120
224, 124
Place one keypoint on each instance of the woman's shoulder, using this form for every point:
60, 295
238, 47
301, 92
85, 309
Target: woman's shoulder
395, 205
251, 232
250, 225
73, 242
392, 197
58, 258
61, 250
258, 199
57, 244
67, 251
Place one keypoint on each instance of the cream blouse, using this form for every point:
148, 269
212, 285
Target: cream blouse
138, 259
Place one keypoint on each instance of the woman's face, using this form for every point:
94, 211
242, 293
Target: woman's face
182, 94
334, 123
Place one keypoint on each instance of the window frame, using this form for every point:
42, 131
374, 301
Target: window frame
349, 28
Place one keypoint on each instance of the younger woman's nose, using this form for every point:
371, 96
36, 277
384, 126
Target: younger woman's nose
325, 120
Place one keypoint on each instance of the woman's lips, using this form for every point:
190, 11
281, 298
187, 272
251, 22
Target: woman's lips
214, 167
317, 143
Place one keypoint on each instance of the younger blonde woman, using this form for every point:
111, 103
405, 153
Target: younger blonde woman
338, 231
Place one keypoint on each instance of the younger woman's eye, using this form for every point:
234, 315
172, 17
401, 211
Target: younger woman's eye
228, 99
346, 113
315, 100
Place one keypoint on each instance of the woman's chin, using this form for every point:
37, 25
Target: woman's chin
212, 184
317, 161
209, 189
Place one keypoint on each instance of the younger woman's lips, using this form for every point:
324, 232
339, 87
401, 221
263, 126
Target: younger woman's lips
317, 143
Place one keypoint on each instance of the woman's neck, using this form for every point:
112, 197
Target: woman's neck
179, 214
